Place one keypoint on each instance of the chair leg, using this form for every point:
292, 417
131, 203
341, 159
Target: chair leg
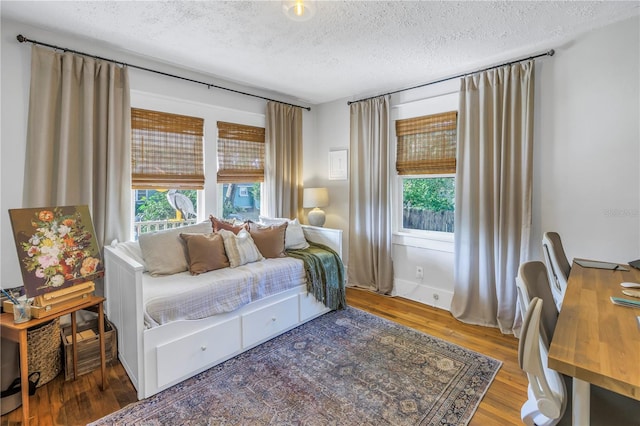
528, 413
531, 415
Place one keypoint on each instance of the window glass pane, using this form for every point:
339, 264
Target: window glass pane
241, 201
156, 210
428, 203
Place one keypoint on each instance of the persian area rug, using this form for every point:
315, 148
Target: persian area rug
345, 368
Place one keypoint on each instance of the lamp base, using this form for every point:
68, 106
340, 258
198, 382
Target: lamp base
316, 217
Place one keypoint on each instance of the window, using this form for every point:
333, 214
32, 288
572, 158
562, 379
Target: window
426, 163
167, 169
240, 169
428, 203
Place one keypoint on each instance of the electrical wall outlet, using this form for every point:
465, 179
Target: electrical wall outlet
419, 272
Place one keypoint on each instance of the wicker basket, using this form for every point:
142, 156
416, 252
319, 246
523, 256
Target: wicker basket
45, 350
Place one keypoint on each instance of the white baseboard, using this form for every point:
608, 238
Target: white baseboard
423, 294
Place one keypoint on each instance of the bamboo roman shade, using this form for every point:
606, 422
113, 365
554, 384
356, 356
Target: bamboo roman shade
240, 153
166, 150
427, 144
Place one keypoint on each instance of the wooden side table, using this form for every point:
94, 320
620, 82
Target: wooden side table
18, 333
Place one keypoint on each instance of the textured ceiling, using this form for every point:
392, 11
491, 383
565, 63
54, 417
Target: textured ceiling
348, 49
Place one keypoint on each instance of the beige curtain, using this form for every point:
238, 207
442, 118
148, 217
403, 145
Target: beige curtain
283, 161
493, 193
370, 264
78, 139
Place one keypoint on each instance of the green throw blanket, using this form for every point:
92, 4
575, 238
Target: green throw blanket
325, 274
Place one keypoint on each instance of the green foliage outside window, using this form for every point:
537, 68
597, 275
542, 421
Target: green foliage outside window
255, 192
433, 194
228, 210
428, 204
155, 206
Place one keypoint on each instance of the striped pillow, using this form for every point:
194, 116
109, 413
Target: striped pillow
240, 248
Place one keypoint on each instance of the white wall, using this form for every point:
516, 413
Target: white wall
586, 158
587, 145
331, 121
14, 90
149, 90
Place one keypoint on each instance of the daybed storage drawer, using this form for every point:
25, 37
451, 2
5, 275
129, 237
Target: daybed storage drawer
185, 355
265, 322
310, 307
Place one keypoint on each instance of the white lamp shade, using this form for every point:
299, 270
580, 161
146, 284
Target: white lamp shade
315, 197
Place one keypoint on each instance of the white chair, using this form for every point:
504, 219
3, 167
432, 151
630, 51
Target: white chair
532, 282
558, 266
548, 403
547, 390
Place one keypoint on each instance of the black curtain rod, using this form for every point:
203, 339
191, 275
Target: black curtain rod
547, 53
23, 39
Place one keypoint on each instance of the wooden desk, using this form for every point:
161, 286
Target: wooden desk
18, 333
596, 341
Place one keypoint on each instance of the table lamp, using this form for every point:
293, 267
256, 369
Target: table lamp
315, 198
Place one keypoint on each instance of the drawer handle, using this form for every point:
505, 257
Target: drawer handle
273, 319
203, 348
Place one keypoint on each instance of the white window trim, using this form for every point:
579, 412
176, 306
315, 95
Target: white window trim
444, 243
434, 240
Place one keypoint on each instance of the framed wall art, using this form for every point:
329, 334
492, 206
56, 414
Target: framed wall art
338, 164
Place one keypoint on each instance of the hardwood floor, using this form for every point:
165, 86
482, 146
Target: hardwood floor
81, 401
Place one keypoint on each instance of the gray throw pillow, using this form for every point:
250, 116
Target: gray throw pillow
165, 253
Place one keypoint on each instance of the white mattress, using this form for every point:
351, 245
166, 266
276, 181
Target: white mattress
186, 297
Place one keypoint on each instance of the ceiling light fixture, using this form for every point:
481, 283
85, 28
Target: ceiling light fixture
299, 10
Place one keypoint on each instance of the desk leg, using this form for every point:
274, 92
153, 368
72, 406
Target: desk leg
24, 376
74, 347
103, 363
581, 402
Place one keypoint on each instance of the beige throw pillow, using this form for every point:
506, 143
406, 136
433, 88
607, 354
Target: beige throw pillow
240, 248
294, 237
205, 252
165, 253
269, 239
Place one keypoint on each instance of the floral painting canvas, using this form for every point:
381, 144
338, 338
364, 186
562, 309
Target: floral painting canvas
56, 247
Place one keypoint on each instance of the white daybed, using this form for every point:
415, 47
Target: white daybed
158, 357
